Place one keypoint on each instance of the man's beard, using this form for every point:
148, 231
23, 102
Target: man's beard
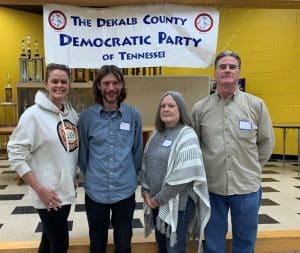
109, 100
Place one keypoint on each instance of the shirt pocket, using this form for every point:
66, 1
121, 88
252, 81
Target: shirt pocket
125, 138
245, 128
123, 132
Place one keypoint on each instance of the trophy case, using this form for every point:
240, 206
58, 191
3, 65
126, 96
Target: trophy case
80, 95
144, 93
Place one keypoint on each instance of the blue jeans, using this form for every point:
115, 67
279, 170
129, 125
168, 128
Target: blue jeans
244, 218
55, 235
184, 218
98, 216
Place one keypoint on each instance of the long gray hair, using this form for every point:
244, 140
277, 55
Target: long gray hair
184, 116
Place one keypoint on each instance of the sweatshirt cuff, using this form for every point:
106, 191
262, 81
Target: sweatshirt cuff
21, 168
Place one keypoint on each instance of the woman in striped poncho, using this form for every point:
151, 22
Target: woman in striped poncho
173, 178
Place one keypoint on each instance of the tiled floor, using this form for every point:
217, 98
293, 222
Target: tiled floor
280, 208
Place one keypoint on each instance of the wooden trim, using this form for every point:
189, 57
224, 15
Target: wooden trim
267, 241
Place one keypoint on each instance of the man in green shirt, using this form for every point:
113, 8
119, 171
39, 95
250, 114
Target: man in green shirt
237, 139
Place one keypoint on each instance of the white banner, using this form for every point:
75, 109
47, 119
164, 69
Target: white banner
131, 36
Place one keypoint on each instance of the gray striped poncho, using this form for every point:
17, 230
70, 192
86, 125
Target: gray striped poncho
185, 165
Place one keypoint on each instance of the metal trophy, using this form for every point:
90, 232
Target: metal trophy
28, 46
37, 64
24, 64
8, 91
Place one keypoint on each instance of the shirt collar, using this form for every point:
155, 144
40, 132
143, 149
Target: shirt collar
121, 109
234, 95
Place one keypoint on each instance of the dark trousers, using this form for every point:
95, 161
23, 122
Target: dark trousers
55, 235
98, 216
184, 218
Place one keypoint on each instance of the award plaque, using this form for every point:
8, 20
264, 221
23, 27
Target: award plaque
159, 70
92, 74
153, 71
144, 71
133, 71
137, 71
79, 75
125, 71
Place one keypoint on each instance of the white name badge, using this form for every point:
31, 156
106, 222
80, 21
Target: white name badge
245, 125
167, 143
125, 126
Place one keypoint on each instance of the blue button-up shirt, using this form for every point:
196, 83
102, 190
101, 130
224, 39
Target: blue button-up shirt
110, 152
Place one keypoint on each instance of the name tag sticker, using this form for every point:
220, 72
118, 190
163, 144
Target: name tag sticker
125, 126
245, 125
167, 143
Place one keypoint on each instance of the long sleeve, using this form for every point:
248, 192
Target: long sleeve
83, 144
265, 136
196, 120
138, 143
168, 192
19, 146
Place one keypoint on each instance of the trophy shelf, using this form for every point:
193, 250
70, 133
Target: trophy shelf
80, 95
40, 85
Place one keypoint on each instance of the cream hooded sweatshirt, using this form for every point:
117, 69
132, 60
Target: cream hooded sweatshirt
46, 143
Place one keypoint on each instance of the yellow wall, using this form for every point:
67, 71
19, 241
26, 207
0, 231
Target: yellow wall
268, 41
14, 27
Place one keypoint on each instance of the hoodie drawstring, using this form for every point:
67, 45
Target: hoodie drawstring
65, 131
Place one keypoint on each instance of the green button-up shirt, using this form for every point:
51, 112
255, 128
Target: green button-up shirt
236, 138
